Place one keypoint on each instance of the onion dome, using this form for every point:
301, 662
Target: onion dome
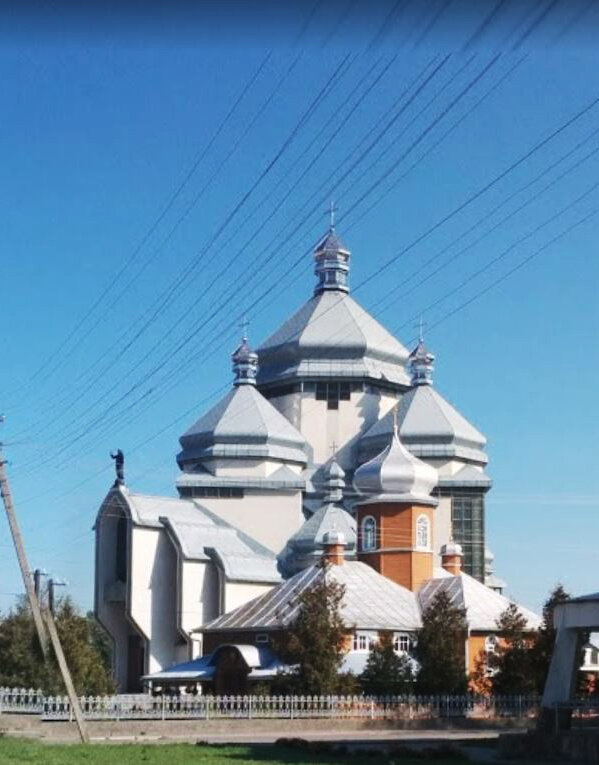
396, 475
452, 548
334, 480
492, 581
305, 547
243, 425
334, 537
332, 264
245, 364
331, 336
421, 364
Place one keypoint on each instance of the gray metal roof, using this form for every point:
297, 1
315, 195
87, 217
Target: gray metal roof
332, 336
282, 479
429, 426
257, 658
243, 424
202, 535
371, 601
305, 547
470, 476
483, 606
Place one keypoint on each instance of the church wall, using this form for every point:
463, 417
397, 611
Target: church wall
234, 468
199, 597
110, 595
441, 527
153, 601
239, 593
323, 427
268, 517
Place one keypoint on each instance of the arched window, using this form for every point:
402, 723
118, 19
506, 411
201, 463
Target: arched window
369, 533
423, 533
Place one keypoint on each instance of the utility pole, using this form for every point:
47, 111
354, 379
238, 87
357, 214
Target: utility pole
45, 620
66, 676
21, 556
51, 597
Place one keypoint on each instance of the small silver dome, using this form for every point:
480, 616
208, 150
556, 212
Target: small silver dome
395, 474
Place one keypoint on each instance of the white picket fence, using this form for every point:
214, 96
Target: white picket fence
146, 707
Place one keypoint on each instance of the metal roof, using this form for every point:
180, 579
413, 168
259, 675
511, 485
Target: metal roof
305, 547
429, 426
202, 535
371, 601
332, 336
243, 424
259, 659
482, 605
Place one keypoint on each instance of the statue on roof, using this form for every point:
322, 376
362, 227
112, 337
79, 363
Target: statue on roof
119, 466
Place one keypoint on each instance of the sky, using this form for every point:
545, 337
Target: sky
162, 179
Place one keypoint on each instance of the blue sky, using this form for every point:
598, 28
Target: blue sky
99, 132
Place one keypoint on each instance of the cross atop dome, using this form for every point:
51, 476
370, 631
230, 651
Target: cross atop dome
245, 361
332, 260
421, 361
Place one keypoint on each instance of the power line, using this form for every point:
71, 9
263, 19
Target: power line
164, 211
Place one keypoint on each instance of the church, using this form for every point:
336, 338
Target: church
323, 419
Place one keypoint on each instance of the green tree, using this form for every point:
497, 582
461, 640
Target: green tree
542, 648
511, 663
441, 648
314, 643
22, 663
386, 672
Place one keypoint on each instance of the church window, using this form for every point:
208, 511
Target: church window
401, 642
369, 533
121, 549
491, 644
213, 492
423, 540
261, 637
332, 393
467, 520
423, 533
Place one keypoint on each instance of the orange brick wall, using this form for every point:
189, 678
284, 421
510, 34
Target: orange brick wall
396, 557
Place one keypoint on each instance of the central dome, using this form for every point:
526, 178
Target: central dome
331, 336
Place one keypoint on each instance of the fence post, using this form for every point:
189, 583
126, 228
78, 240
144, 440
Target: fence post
372, 709
250, 707
163, 706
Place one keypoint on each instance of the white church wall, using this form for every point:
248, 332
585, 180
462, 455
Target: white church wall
110, 611
234, 468
323, 427
199, 597
268, 517
153, 600
441, 527
239, 593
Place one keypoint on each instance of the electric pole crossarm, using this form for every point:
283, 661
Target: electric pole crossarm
21, 556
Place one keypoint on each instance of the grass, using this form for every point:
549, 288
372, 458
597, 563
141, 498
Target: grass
24, 751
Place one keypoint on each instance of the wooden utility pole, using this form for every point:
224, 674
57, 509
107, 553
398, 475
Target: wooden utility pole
66, 676
41, 620
21, 557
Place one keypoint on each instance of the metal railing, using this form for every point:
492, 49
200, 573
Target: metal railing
146, 707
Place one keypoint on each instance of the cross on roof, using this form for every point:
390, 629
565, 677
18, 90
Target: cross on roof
244, 324
420, 325
334, 448
331, 213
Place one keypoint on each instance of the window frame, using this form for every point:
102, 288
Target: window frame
369, 519
427, 524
